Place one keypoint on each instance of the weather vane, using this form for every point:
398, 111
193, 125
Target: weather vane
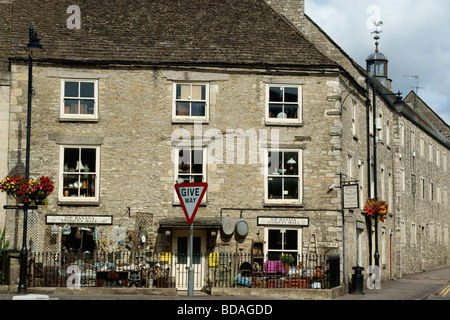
377, 33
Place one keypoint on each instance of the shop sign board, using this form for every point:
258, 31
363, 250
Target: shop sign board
78, 219
283, 221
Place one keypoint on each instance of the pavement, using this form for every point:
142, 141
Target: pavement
428, 285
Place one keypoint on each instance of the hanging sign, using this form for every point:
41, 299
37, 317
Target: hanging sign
190, 195
351, 196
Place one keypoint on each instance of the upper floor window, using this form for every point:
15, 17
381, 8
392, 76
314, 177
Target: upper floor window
284, 104
79, 174
79, 99
190, 102
190, 166
283, 181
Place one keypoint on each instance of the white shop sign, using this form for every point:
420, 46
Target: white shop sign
283, 221
75, 219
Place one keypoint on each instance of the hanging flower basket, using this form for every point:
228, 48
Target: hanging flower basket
376, 208
31, 192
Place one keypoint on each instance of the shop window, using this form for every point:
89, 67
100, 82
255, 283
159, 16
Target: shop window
281, 242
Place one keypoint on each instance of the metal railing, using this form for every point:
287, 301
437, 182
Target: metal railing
170, 270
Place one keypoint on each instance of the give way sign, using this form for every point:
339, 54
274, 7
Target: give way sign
191, 195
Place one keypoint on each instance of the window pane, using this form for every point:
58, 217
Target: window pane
290, 188
275, 94
183, 91
197, 161
274, 162
290, 111
86, 106
198, 109
88, 159
70, 89
290, 94
182, 109
290, 240
291, 163
184, 161
198, 92
275, 188
182, 246
71, 106
71, 156
196, 250
275, 110
87, 89
275, 239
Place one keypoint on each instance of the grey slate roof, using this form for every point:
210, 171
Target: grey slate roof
228, 32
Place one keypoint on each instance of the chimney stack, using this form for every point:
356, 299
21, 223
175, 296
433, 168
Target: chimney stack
292, 10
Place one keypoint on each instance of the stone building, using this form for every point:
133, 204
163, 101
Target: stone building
249, 96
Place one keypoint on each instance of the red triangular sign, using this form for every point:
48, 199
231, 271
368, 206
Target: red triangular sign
191, 195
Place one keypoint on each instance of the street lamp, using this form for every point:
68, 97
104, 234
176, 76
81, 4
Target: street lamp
33, 48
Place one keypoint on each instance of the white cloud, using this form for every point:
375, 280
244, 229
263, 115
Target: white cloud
415, 39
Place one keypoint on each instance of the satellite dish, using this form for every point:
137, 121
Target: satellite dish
118, 233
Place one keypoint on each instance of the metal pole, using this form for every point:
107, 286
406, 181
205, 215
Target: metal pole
343, 231
369, 186
24, 252
377, 254
191, 270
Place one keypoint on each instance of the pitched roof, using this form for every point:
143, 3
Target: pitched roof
225, 32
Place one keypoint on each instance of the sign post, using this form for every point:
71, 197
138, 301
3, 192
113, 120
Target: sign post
191, 195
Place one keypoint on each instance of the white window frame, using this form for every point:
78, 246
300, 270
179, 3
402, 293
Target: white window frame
283, 229
299, 176
189, 118
204, 150
299, 104
79, 200
79, 116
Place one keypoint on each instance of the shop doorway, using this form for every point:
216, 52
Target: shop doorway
80, 240
181, 247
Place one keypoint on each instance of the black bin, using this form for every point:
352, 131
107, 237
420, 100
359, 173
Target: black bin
357, 281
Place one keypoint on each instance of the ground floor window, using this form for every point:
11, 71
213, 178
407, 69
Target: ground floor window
281, 241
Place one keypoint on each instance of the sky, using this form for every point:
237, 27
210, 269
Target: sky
415, 38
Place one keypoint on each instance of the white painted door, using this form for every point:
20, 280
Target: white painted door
181, 246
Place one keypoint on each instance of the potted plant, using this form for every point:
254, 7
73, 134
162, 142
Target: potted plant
32, 192
287, 260
376, 208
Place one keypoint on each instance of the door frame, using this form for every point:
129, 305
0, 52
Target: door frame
180, 270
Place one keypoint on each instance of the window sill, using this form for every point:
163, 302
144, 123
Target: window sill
284, 124
283, 205
78, 203
78, 119
190, 121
